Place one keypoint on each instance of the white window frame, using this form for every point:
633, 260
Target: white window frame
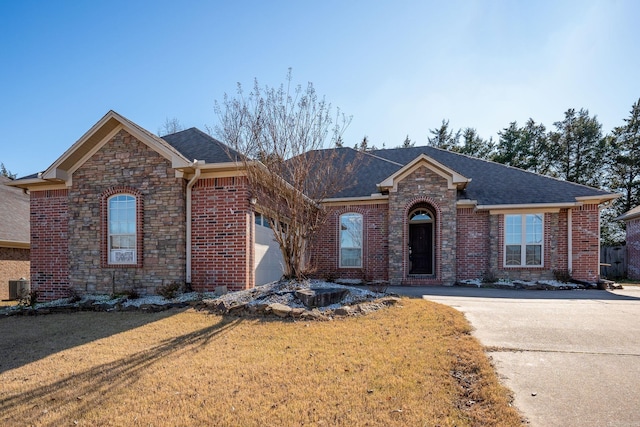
523, 240
112, 253
360, 237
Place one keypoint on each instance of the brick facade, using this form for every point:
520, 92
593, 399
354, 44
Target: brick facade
50, 243
222, 232
586, 243
14, 264
473, 244
633, 249
325, 250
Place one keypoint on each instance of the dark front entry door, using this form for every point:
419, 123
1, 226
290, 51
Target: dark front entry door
421, 248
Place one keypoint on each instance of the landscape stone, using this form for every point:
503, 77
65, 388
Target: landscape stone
321, 297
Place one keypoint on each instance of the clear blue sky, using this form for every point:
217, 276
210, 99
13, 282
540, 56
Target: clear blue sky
398, 67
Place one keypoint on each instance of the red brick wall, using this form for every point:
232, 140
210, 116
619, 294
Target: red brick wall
222, 239
49, 243
586, 244
14, 264
324, 252
473, 244
633, 249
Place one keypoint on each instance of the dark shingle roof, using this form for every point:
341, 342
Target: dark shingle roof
14, 213
491, 183
197, 145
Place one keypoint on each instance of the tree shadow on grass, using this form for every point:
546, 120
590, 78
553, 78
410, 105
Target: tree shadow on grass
76, 393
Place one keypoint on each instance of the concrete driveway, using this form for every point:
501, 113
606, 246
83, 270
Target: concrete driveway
572, 358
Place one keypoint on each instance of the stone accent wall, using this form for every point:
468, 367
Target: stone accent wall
49, 243
125, 164
423, 186
633, 249
586, 243
14, 264
222, 230
324, 252
473, 239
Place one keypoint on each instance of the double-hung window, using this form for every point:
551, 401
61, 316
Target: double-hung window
351, 240
122, 229
523, 240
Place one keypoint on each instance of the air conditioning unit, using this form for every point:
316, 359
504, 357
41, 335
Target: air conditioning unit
19, 288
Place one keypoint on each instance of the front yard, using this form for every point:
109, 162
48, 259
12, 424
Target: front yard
411, 364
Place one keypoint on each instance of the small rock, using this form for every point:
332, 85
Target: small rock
280, 310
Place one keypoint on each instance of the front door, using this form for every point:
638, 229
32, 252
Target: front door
421, 248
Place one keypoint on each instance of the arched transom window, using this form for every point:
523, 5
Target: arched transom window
421, 216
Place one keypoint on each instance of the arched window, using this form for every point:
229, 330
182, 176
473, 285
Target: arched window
122, 233
351, 240
421, 216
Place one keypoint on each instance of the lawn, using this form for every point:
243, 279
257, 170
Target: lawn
413, 364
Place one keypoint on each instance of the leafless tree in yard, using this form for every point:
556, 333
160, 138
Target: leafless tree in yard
281, 133
170, 126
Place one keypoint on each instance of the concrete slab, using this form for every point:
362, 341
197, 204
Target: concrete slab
572, 358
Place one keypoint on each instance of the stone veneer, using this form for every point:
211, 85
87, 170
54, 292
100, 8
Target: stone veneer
422, 187
126, 163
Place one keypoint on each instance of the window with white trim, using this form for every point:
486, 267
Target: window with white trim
121, 217
523, 242
351, 240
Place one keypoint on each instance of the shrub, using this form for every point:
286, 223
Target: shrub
562, 275
169, 291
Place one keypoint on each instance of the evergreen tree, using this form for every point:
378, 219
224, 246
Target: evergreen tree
443, 137
578, 149
5, 172
473, 145
624, 170
407, 143
525, 148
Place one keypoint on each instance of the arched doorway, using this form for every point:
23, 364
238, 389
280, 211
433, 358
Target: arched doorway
421, 241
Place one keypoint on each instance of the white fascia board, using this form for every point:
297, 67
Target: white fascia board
454, 179
598, 199
374, 198
523, 208
14, 244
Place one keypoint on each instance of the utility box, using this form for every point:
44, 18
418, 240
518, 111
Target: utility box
19, 288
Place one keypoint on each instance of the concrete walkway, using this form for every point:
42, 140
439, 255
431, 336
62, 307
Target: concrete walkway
572, 358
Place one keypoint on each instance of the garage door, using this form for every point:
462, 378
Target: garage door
268, 257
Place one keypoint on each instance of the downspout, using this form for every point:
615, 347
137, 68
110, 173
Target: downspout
190, 185
569, 241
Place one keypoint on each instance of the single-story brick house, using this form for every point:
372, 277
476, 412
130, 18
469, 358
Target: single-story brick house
14, 235
125, 208
632, 220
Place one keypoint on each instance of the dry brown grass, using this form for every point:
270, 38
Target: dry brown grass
409, 365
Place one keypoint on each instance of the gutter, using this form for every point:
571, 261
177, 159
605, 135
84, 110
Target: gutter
196, 165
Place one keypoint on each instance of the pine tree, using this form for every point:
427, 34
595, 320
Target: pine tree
443, 137
624, 170
6, 172
578, 149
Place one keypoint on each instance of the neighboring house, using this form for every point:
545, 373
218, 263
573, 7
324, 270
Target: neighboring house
632, 220
123, 208
14, 236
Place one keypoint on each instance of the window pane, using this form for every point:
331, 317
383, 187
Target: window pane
513, 255
122, 229
534, 229
513, 229
351, 257
351, 240
534, 255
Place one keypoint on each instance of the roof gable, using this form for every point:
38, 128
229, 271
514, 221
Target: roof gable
489, 185
454, 179
96, 137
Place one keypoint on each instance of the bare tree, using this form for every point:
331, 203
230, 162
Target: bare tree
281, 133
170, 126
